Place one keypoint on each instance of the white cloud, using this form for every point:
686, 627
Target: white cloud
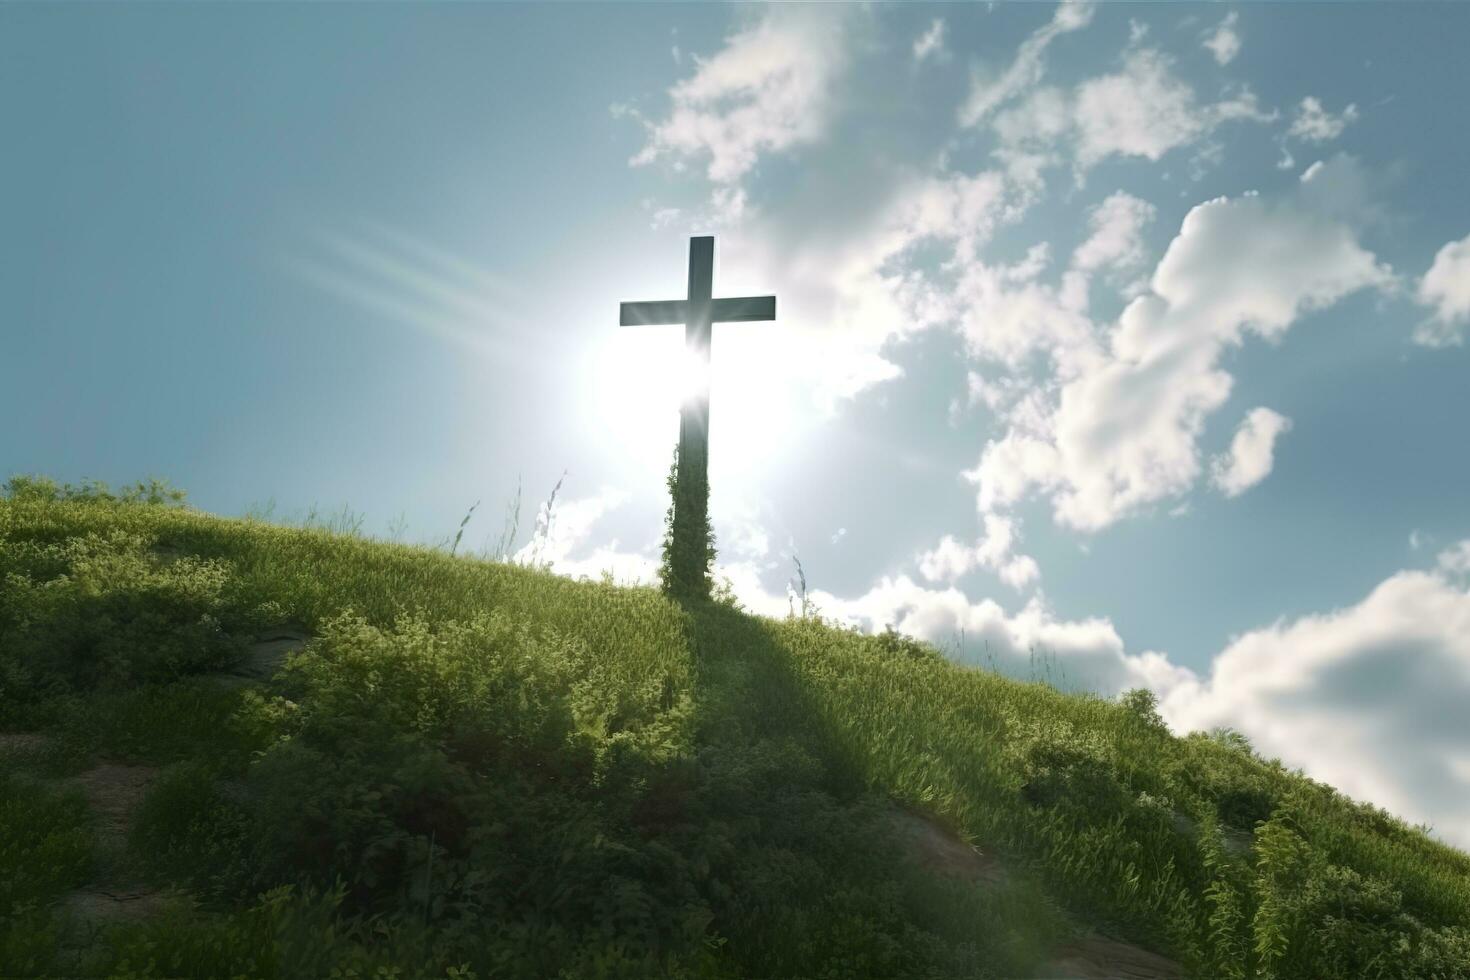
1251, 452
1446, 288
947, 561
768, 90
930, 44
1314, 124
739, 529
846, 297
1369, 699
994, 551
1145, 111
989, 92
1455, 560
1142, 110
1005, 315
1116, 239
1088, 653
1121, 429
566, 527
1224, 43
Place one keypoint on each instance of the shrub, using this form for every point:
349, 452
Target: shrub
99, 611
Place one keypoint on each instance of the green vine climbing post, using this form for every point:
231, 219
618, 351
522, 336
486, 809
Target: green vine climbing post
690, 550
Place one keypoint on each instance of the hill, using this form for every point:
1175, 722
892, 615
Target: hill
233, 748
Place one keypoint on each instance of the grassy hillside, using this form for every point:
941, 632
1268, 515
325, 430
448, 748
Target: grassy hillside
476, 769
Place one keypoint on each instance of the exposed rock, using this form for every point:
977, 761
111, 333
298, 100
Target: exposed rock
266, 655
1237, 842
938, 849
1100, 958
104, 905
90, 910
167, 554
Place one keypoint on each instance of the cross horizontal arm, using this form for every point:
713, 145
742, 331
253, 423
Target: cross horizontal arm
653, 312
744, 308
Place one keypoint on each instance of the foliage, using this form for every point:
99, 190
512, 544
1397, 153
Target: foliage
688, 552
45, 845
152, 491
97, 611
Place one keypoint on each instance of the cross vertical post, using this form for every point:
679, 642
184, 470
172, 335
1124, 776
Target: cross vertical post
690, 550
692, 477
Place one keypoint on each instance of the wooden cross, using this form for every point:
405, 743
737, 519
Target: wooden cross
698, 312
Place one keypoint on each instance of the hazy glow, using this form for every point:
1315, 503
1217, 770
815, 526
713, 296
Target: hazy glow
639, 378
401, 279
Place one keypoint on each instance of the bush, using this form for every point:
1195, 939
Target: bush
100, 611
40, 489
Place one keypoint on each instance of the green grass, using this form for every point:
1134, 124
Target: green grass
478, 769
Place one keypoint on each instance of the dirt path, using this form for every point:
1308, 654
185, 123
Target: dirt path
939, 850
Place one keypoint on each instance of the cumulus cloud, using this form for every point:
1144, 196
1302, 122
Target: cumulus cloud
1122, 430
768, 90
1455, 560
1145, 111
951, 559
1224, 42
1116, 240
930, 44
1369, 698
1088, 653
740, 529
847, 297
1314, 124
1006, 313
566, 527
1251, 454
989, 91
1446, 289
1142, 110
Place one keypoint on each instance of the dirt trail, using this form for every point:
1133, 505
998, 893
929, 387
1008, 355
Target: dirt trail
939, 850
113, 792
1101, 958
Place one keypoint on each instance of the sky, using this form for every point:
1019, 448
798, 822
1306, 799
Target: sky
1131, 335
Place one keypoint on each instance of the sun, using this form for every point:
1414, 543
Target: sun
642, 377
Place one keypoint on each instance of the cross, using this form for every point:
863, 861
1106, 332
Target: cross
698, 312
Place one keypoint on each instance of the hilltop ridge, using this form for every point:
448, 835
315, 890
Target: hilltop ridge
231, 747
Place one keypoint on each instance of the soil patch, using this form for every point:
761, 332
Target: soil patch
23, 743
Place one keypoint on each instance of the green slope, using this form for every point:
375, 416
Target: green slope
477, 769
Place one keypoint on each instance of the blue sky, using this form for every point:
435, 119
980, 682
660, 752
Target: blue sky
1133, 333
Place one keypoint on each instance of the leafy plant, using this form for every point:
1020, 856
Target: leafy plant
688, 552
